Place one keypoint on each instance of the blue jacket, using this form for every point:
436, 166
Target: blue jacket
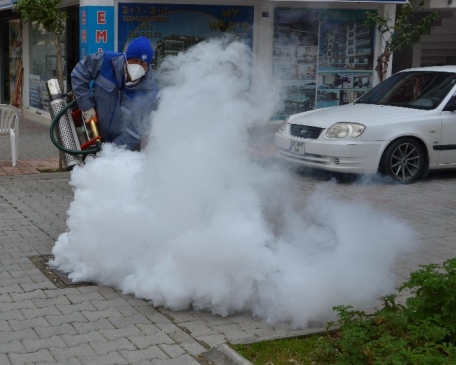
98, 81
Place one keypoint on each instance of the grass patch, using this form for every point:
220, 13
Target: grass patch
280, 352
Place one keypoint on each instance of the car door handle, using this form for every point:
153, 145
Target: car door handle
432, 130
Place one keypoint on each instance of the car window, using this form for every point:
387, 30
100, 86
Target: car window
411, 89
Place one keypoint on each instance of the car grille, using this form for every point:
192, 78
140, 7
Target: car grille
305, 131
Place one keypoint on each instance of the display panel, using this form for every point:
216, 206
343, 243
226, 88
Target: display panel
322, 58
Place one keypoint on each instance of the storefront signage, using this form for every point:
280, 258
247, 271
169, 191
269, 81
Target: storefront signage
4, 4
172, 28
97, 29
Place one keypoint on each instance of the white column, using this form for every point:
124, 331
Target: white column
262, 47
416, 56
26, 59
386, 11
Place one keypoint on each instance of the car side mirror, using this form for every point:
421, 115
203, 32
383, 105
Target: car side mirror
451, 105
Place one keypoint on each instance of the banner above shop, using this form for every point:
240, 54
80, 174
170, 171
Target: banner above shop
173, 28
354, 1
6, 4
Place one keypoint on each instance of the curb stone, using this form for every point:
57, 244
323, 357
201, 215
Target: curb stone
43, 176
223, 354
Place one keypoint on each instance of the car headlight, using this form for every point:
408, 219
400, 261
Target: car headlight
345, 130
283, 126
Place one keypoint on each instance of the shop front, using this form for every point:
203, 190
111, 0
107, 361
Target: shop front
10, 56
321, 53
40, 62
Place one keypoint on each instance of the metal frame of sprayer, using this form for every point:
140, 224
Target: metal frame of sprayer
73, 142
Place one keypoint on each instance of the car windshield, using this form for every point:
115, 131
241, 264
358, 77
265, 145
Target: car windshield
411, 89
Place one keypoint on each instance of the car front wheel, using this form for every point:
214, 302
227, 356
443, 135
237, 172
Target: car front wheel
404, 160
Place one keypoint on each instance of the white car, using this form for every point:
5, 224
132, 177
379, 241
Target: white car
403, 127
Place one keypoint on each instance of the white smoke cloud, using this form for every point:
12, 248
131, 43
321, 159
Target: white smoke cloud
191, 221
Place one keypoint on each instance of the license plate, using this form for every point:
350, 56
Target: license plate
297, 147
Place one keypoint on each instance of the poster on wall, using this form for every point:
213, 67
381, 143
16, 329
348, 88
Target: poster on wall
38, 95
346, 57
15, 63
322, 57
175, 28
34, 91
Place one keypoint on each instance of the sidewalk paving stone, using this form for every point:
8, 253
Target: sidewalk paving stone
43, 324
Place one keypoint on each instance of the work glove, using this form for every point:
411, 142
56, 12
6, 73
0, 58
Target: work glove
88, 115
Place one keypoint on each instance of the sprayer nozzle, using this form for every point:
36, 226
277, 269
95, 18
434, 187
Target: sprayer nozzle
94, 128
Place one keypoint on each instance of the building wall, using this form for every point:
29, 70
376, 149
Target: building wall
301, 44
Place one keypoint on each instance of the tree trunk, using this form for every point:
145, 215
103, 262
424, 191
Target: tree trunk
379, 69
382, 65
59, 63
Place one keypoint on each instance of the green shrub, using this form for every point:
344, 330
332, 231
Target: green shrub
423, 332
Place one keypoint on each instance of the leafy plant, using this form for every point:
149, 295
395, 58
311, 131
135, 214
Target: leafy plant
47, 14
423, 332
406, 30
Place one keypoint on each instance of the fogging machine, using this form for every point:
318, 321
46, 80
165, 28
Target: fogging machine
69, 133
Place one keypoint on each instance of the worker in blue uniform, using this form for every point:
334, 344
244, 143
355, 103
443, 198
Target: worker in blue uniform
119, 90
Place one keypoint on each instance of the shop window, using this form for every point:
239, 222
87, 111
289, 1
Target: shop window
43, 65
335, 43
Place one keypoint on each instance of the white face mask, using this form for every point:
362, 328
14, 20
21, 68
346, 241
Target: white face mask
135, 71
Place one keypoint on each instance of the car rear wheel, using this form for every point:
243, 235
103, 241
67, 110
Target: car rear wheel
404, 160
